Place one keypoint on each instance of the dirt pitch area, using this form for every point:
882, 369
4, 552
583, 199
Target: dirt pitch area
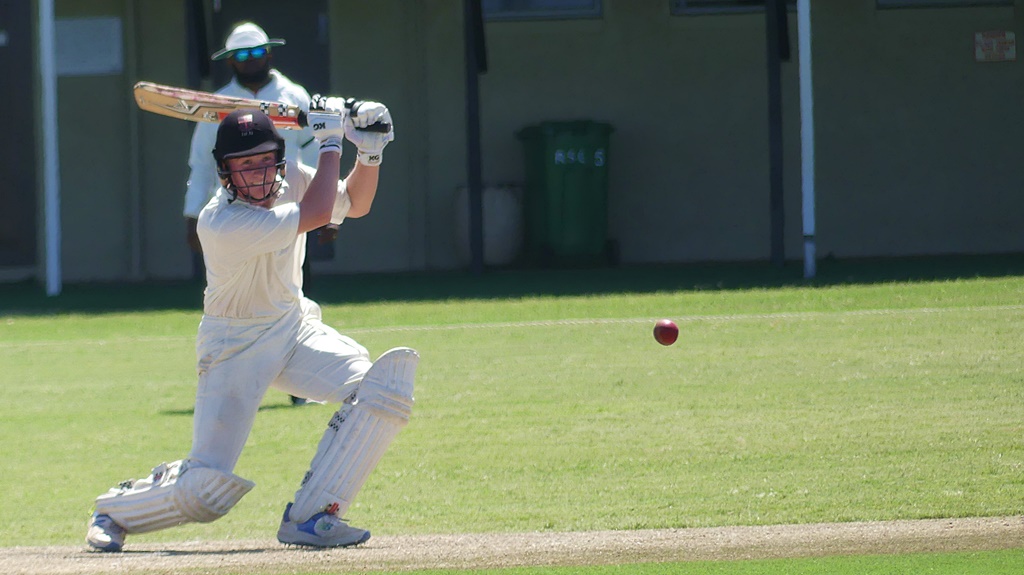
478, 551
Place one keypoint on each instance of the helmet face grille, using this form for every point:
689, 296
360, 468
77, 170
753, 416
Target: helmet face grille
253, 193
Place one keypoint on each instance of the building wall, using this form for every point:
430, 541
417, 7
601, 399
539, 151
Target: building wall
122, 172
163, 143
94, 167
687, 98
378, 51
916, 141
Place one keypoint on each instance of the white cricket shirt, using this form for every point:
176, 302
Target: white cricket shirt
254, 255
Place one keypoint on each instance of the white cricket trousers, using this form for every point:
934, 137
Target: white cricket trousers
239, 359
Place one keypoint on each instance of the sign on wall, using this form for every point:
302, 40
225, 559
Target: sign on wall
89, 46
995, 46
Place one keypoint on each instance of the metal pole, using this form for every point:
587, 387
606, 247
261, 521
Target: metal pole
807, 167
51, 159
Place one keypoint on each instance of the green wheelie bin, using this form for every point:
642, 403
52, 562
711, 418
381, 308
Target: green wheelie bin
565, 198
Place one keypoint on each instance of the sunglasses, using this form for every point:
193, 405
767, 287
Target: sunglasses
243, 55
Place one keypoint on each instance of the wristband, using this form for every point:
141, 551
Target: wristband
369, 158
331, 144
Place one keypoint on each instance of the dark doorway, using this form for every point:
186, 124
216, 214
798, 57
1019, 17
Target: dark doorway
18, 191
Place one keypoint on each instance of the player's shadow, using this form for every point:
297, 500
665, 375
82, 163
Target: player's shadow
170, 552
180, 552
266, 407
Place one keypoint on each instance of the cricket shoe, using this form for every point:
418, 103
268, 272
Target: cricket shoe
104, 534
323, 529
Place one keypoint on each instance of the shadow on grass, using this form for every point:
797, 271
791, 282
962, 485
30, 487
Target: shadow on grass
265, 407
171, 552
28, 298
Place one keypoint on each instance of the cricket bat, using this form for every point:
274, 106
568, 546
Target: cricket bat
197, 106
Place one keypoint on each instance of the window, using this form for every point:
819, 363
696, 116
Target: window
697, 7
941, 3
540, 9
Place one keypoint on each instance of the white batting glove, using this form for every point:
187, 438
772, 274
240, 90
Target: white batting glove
369, 143
329, 129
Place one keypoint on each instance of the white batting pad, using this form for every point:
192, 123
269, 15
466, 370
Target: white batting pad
173, 494
358, 435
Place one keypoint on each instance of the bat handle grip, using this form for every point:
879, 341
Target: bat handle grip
378, 127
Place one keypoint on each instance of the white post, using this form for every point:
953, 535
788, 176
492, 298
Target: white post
803, 15
51, 159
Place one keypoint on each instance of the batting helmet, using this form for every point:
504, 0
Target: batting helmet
247, 133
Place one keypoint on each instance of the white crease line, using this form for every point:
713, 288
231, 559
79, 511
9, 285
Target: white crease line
799, 315
689, 318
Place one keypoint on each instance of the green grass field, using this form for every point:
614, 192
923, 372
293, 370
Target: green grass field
880, 390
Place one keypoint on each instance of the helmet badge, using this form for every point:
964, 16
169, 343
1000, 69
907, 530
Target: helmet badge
245, 125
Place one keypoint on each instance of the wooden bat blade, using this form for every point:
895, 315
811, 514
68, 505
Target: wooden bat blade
197, 106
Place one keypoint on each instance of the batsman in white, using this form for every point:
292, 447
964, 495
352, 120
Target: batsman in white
248, 52
259, 331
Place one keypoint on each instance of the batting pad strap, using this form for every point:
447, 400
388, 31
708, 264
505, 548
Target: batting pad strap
173, 494
358, 435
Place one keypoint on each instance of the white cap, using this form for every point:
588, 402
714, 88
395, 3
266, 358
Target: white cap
246, 35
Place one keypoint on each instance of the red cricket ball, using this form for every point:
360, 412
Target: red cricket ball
666, 331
